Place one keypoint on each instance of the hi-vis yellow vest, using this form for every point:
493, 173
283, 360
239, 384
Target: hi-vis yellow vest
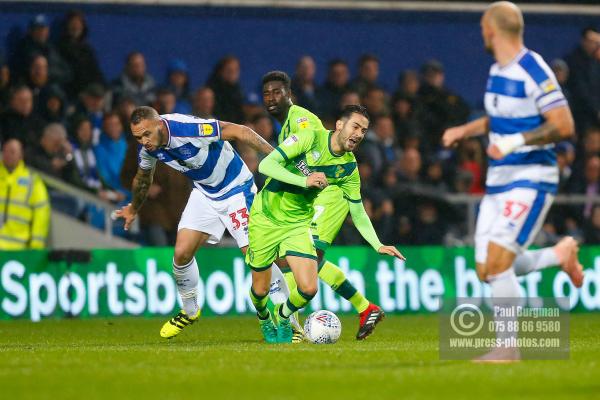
24, 209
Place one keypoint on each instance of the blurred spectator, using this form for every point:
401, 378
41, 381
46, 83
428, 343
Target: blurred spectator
54, 155
409, 84
26, 212
4, 85
375, 101
35, 42
204, 103
53, 104
565, 155
410, 167
135, 82
165, 102
584, 79
75, 49
303, 84
561, 71
251, 159
110, 154
591, 227
368, 73
166, 200
83, 154
263, 125
253, 106
428, 228
178, 81
380, 147
330, 93
91, 105
19, 121
441, 107
124, 109
589, 184
224, 81
434, 176
37, 80
405, 120
471, 159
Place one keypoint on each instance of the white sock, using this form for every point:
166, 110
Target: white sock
534, 260
505, 297
187, 277
280, 292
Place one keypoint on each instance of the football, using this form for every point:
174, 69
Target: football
322, 327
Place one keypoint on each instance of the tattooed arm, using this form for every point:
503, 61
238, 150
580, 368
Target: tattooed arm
243, 134
140, 186
558, 126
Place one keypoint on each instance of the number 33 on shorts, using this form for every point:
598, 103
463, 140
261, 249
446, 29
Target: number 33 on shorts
239, 218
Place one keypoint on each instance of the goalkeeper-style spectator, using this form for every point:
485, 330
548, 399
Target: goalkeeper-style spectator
24, 202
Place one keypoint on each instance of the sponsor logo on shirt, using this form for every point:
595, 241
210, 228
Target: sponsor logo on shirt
303, 123
548, 86
206, 129
291, 140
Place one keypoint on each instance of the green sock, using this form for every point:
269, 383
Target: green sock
260, 303
332, 275
296, 301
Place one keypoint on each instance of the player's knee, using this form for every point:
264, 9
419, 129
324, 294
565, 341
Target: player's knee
260, 289
309, 290
183, 255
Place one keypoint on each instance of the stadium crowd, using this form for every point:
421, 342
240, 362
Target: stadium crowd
73, 122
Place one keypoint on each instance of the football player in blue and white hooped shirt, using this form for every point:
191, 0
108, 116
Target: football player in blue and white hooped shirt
526, 115
220, 199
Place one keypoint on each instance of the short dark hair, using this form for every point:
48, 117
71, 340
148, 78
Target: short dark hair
278, 76
142, 113
337, 61
366, 58
355, 109
587, 30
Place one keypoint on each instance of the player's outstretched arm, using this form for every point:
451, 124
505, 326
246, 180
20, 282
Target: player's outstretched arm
243, 134
455, 134
273, 166
141, 185
365, 228
558, 126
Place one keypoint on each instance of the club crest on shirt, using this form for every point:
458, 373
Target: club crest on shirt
316, 155
339, 171
206, 129
303, 123
291, 140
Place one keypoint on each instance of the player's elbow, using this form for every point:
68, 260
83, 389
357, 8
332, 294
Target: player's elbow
567, 129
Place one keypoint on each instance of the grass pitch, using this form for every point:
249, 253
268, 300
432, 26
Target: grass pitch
222, 358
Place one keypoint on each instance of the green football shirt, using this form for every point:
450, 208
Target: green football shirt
307, 151
298, 119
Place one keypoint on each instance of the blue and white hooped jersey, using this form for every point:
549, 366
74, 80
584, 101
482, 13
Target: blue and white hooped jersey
517, 96
195, 149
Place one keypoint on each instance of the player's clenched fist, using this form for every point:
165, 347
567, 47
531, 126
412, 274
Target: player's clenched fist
453, 135
391, 251
316, 180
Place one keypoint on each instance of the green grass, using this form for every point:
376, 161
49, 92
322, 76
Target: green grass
222, 358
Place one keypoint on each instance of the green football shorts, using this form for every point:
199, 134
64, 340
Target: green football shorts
270, 240
331, 209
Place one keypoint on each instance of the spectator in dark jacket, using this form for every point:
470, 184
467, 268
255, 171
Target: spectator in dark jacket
303, 84
37, 42
229, 98
19, 121
584, 79
368, 73
178, 81
78, 53
329, 95
135, 82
